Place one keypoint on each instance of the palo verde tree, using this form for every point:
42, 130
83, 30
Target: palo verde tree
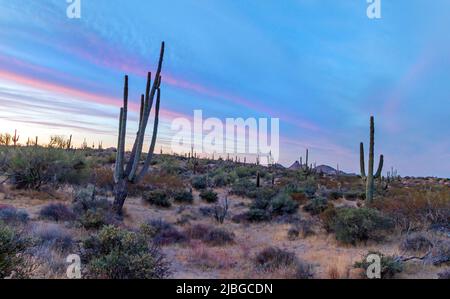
125, 176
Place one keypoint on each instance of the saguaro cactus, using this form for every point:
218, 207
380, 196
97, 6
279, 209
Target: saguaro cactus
15, 138
258, 184
370, 176
123, 177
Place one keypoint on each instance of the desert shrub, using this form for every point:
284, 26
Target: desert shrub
54, 237
218, 237
14, 259
197, 231
334, 194
416, 242
157, 197
169, 183
303, 270
199, 182
243, 187
440, 254
415, 209
352, 225
354, 195
33, 167
116, 253
390, 265
316, 205
163, 233
244, 172
209, 195
328, 216
293, 233
11, 215
91, 211
282, 204
272, 258
258, 215
183, 196
56, 212
444, 274
222, 179
104, 178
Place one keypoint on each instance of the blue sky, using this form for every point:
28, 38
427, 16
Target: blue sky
322, 67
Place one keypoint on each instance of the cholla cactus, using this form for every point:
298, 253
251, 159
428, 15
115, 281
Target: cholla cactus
123, 176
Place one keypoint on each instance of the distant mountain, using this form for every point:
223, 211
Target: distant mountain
295, 166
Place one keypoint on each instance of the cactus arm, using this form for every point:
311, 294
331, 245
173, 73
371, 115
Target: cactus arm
361, 160
118, 174
380, 168
144, 169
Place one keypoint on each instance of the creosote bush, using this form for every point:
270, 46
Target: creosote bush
158, 198
209, 195
14, 259
116, 253
351, 225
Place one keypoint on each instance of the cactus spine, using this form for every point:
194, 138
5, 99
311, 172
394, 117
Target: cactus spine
370, 185
130, 175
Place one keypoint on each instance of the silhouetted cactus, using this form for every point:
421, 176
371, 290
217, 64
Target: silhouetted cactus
130, 175
370, 176
15, 138
258, 178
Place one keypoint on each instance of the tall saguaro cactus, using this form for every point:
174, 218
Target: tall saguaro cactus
124, 176
15, 138
370, 176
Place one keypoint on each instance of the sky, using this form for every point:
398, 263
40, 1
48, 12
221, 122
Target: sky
321, 67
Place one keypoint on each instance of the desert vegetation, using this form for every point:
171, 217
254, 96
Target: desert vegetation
145, 215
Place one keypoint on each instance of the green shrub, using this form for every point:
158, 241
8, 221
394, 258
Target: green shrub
34, 167
390, 265
209, 195
183, 197
352, 225
158, 198
13, 256
257, 215
316, 205
282, 204
116, 253
199, 182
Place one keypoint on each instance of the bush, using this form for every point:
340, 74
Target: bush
11, 215
258, 215
158, 198
293, 233
416, 242
282, 204
328, 217
316, 205
116, 253
304, 270
54, 237
441, 253
209, 195
218, 237
104, 178
390, 265
13, 254
33, 167
56, 212
222, 179
163, 233
272, 258
92, 212
199, 182
211, 236
352, 225
184, 197
444, 274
